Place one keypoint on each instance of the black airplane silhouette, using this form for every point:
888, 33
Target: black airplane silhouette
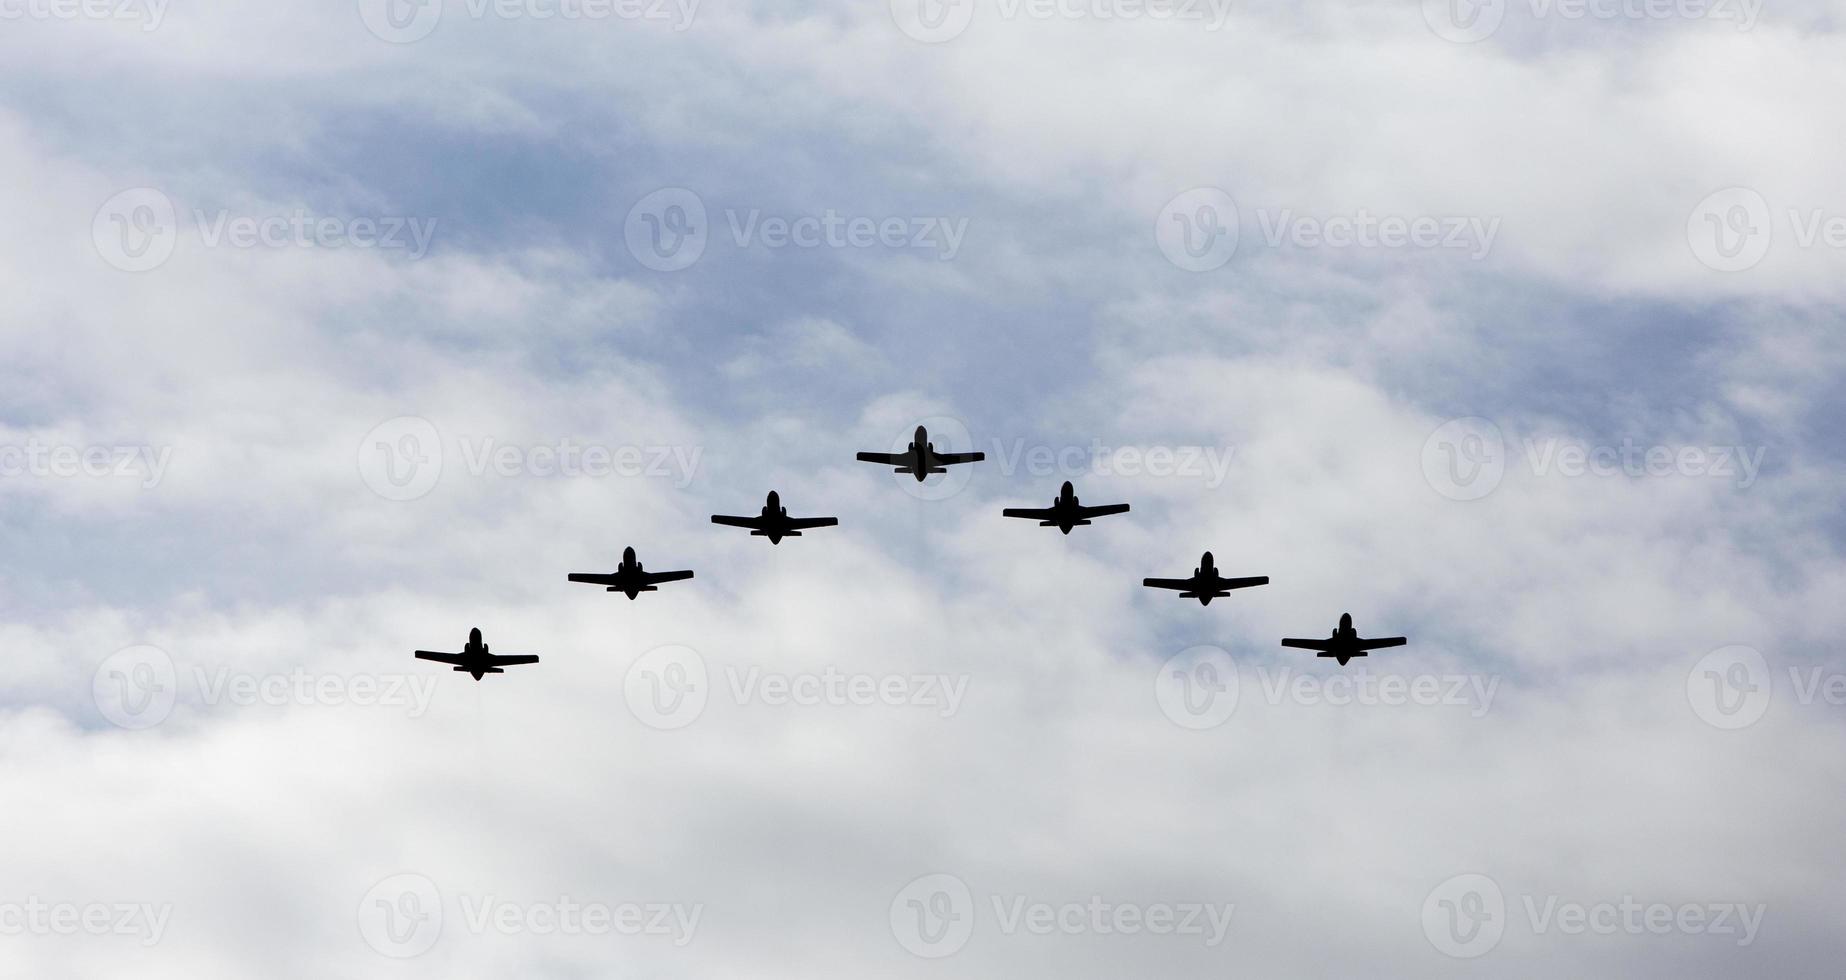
1065, 512
921, 459
1345, 643
629, 579
774, 523
475, 658
1205, 584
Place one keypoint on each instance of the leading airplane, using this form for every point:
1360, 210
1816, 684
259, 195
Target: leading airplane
630, 578
774, 523
921, 459
1345, 643
1205, 584
1065, 511
475, 658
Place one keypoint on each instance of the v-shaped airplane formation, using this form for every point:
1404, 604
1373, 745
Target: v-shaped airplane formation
921, 460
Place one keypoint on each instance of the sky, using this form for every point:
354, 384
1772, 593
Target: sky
335, 330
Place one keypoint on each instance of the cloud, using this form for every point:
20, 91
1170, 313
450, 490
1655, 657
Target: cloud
371, 451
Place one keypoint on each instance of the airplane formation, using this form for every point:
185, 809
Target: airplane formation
920, 460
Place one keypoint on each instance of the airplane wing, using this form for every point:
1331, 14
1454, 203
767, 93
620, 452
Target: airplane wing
454, 659
1321, 645
888, 459
1102, 510
508, 661
1381, 643
653, 577
803, 523
1242, 583
594, 579
950, 459
1030, 513
1182, 584
749, 522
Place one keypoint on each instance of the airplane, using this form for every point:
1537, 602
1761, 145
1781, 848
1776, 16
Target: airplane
774, 523
475, 658
630, 579
1065, 512
921, 459
1345, 643
1205, 584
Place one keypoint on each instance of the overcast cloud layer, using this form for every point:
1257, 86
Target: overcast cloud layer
332, 331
